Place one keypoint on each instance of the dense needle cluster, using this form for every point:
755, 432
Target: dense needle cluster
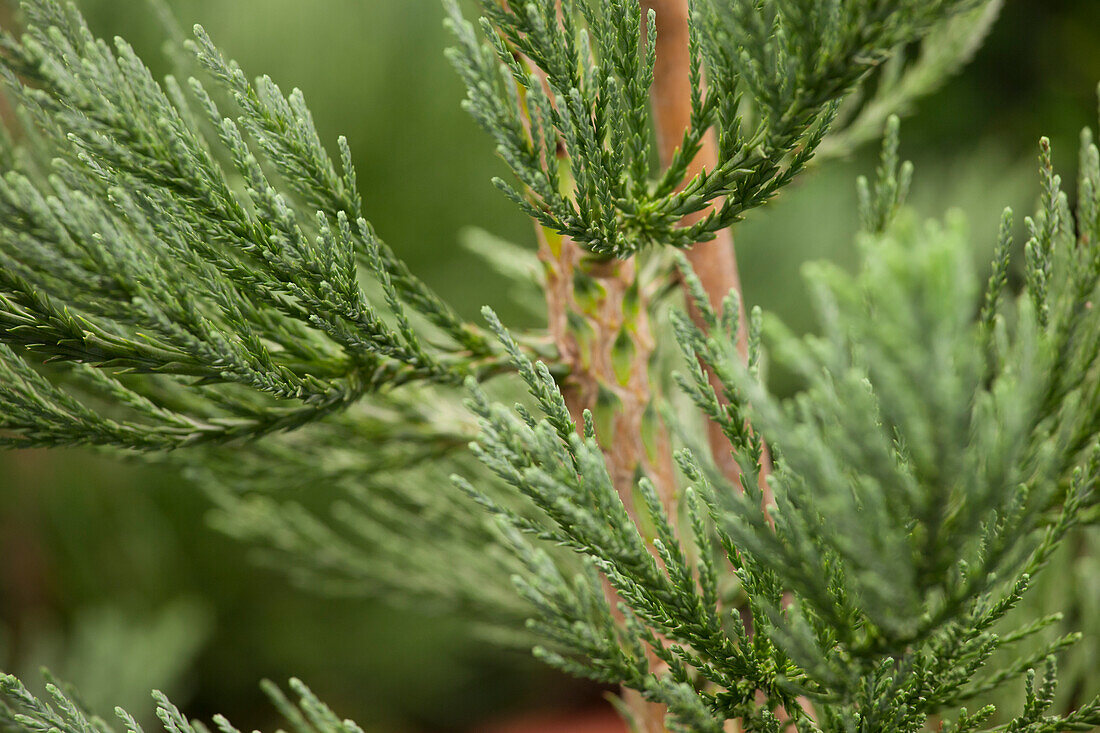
147, 237
776, 74
186, 273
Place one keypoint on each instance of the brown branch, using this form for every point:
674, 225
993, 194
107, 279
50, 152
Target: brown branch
618, 394
586, 332
714, 262
615, 387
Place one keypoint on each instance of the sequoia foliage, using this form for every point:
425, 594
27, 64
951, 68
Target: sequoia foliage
187, 275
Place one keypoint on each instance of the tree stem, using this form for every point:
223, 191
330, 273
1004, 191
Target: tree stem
589, 313
715, 262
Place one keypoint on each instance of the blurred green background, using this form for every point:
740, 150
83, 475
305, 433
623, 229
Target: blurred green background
109, 574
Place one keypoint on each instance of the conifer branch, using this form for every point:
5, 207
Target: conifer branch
134, 262
62, 711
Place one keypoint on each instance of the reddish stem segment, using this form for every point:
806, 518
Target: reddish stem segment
715, 262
